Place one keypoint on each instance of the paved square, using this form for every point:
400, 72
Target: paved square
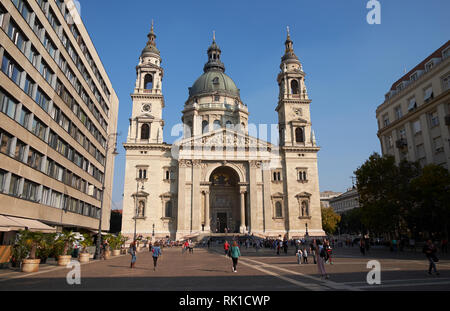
209, 270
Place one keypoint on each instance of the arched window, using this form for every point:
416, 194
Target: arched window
229, 124
205, 126
148, 82
168, 209
145, 131
216, 125
294, 87
278, 210
299, 137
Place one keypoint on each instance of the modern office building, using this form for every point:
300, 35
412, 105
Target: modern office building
414, 119
58, 118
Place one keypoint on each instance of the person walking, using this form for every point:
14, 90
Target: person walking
278, 247
312, 251
235, 254
104, 249
156, 254
429, 249
362, 247
226, 248
329, 251
299, 256
132, 252
321, 259
305, 256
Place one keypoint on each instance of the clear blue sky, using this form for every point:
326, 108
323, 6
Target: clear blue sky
350, 64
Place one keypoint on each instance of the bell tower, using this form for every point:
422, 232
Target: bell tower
146, 122
294, 120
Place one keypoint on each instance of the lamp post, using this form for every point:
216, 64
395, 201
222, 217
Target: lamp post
114, 153
306, 233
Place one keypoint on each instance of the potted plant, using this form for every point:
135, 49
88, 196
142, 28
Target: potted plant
116, 244
62, 247
85, 243
31, 241
45, 248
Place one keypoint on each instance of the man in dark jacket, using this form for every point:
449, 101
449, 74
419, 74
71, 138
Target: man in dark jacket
429, 249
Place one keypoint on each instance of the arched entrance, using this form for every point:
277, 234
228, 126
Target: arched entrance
224, 200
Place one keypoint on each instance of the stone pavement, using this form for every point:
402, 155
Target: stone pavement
210, 270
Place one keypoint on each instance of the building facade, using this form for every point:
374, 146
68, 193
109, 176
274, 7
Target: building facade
326, 196
346, 201
414, 120
58, 109
218, 177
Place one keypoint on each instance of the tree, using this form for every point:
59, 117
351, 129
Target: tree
351, 222
431, 193
329, 220
384, 193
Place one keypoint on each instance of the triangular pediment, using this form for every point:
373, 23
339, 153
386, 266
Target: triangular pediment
224, 138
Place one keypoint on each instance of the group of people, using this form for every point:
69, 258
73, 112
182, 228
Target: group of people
154, 249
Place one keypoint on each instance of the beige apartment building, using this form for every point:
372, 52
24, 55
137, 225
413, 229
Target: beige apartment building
346, 201
414, 120
58, 113
218, 177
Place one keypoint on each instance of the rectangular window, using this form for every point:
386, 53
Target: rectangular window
434, 119
412, 104
42, 100
20, 149
33, 56
438, 147
17, 36
46, 198
398, 112
429, 66
38, 128
34, 159
420, 149
446, 81
14, 185
29, 86
7, 105
428, 94
5, 142
11, 69
416, 127
29, 191
386, 120
24, 117
23, 8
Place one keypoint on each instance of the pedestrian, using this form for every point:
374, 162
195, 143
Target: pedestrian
156, 254
328, 249
235, 254
278, 247
305, 256
362, 246
285, 247
104, 249
226, 248
444, 246
321, 259
132, 252
312, 251
429, 249
412, 244
299, 255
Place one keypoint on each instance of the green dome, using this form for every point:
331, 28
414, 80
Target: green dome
214, 81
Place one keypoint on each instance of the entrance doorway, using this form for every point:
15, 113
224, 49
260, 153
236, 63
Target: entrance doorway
221, 222
225, 200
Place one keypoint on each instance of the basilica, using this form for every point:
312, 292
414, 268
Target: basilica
220, 176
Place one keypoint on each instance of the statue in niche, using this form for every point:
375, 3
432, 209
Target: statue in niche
141, 209
304, 209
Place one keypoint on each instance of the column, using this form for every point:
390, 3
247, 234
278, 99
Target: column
253, 221
196, 197
207, 219
242, 227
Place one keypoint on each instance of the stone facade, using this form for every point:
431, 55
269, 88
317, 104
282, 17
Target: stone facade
218, 177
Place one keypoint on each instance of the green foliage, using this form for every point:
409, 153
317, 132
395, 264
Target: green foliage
46, 245
402, 199
329, 220
115, 242
64, 242
351, 222
86, 242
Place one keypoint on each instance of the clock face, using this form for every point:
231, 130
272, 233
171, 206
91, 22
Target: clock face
147, 107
